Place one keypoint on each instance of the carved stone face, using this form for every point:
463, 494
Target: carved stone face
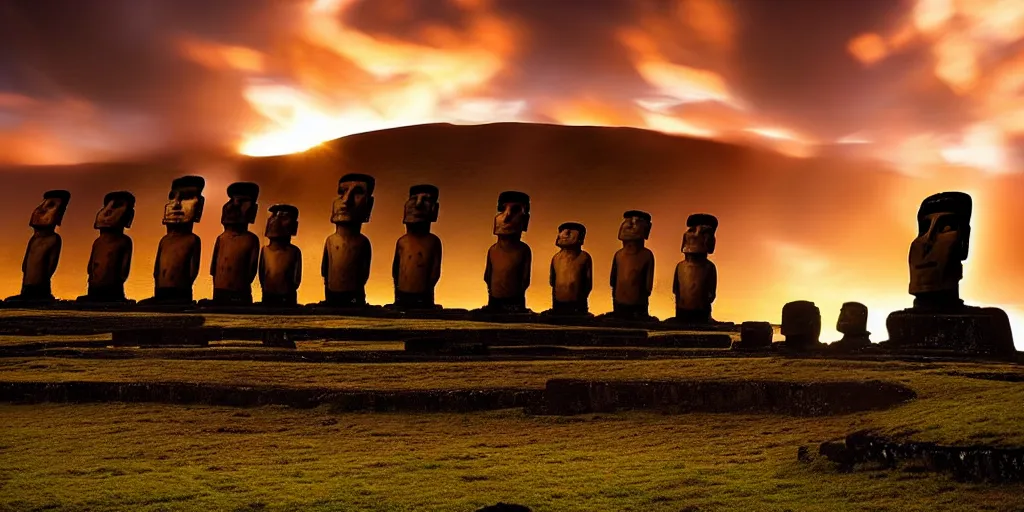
699, 239
49, 213
634, 228
853, 318
801, 319
281, 224
117, 212
240, 209
420, 208
184, 205
513, 217
569, 237
937, 254
353, 204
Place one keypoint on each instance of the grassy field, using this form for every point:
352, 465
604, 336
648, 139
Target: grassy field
157, 457
950, 409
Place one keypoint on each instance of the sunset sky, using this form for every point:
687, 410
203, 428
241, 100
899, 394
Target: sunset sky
891, 101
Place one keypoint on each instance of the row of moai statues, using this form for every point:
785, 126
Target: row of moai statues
238, 258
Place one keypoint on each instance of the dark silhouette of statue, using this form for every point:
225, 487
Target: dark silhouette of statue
236, 253
280, 267
939, 319
43, 251
801, 325
509, 260
416, 268
853, 325
111, 258
572, 272
177, 256
345, 266
696, 279
632, 275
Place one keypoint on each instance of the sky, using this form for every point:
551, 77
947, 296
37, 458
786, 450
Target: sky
918, 96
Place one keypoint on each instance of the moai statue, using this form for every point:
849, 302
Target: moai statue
853, 324
280, 268
939, 318
345, 266
236, 253
801, 325
111, 256
509, 260
754, 336
417, 264
43, 251
696, 279
632, 276
177, 256
572, 272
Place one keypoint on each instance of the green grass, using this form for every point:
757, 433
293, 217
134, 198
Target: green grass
950, 409
156, 457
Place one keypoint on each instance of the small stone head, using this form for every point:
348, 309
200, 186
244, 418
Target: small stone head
636, 225
513, 213
283, 221
50, 212
241, 206
853, 318
118, 211
699, 237
571, 235
422, 205
355, 199
185, 201
941, 246
801, 319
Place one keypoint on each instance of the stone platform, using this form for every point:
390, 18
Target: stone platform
968, 330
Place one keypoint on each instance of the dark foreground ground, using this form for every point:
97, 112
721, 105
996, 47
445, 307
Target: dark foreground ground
180, 456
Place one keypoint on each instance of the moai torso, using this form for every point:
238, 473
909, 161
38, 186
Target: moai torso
41, 257
571, 275
508, 269
280, 269
177, 260
632, 275
418, 262
696, 281
110, 260
346, 262
235, 261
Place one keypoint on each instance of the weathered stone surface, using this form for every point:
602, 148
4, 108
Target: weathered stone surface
163, 337
690, 340
574, 396
32, 325
970, 330
755, 336
252, 396
968, 463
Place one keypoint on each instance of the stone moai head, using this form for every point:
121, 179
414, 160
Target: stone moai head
636, 225
185, 201
801, 319
422, 205
853, 318
571, 235
699, 237
355, 199
513, 216
118, 211
241, 206
941, 246
50, 212
283, 221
